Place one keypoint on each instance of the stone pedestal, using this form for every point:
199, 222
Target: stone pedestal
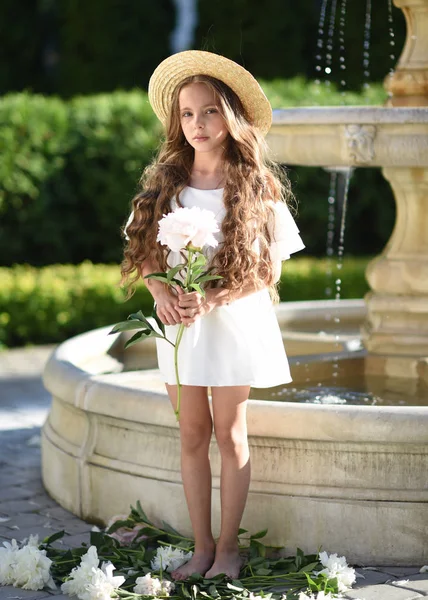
408, 84
397, 306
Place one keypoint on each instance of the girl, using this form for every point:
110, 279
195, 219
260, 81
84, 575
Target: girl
214, 156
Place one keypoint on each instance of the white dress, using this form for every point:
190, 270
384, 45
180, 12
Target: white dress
239, 343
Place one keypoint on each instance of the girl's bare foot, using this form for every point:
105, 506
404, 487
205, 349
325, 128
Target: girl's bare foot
227, 562
199, 563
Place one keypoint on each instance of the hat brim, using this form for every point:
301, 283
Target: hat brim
178, 67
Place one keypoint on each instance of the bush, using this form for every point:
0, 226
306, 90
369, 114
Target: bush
51, 304
68, 172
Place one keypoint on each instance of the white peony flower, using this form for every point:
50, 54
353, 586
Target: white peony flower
336, 567
169, 559
88, 582
424, 569
26, 567
152, 586
82, 575
188, 225
7, 562
103, 584
32, 568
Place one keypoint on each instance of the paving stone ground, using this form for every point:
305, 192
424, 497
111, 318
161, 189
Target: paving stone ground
25, 507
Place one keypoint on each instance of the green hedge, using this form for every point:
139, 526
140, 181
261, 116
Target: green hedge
50, 304
68, 170
67, 173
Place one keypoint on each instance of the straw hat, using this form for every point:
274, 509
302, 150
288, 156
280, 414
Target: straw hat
174, 69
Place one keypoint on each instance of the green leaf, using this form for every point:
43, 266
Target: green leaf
128, 326
309, 568
256, 561
207, 278
242, 531
99, 539
158, 277
212, 590
152, 275
185, 591
178, 282
259, 534
263, 571
140, 317
200, 261
315, 587
141, 512
55, 536
173, 272
261, 548
197, 288
139, 335
158, 321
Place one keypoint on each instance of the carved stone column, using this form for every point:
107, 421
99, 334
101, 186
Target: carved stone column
397, 322
396, 330
409, 82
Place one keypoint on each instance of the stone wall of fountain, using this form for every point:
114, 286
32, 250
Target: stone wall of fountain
351, 479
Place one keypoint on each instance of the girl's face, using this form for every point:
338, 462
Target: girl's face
201, 121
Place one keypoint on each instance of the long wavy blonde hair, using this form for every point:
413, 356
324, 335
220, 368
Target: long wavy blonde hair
252, 182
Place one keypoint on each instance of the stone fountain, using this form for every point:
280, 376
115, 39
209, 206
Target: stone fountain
351, 479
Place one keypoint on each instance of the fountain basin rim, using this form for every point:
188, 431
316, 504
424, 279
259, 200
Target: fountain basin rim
144, 400
346, 115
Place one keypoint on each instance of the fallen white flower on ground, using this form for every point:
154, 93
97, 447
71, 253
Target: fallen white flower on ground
400, 582
26, 566
104, 584
336, 567
168, 558
152, 586
7, 562
81, 576
88, 582
424, 569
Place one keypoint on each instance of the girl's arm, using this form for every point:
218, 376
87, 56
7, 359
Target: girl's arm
166, 302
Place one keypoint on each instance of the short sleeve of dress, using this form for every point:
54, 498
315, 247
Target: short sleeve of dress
286, 239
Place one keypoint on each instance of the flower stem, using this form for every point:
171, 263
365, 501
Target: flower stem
180, 335
177, 344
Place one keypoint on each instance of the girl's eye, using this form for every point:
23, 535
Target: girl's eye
186, 114
211, 110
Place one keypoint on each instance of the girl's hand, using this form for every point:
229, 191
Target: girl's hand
166, 304
192, 306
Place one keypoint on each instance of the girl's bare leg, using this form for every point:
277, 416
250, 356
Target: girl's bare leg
230, 426
195, 435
